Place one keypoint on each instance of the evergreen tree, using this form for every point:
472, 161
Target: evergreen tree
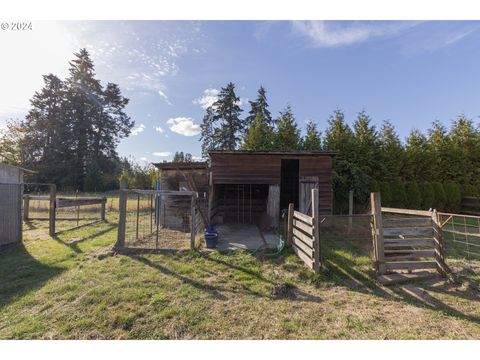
428, 195
312, 140
73, 127
226, 116
453, 197
287, 136
440, 197
417, 157
439, 147
391, 153
414, 196
385, 193
259, 107
365, 140
398, 194
208, 133
259, 136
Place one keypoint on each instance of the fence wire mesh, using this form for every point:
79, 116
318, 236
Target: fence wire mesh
461, 237
161, 220
71, 210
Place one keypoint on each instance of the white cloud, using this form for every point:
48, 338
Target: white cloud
144, 158
137, 130
197, 158
341, 33
159, 129
162, 153
183, 126
208, 98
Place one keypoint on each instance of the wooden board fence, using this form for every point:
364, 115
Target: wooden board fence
409, 240
303, 234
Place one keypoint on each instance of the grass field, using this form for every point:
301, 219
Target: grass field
72, 287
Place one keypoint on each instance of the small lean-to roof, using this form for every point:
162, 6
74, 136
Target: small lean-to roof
17, 167
284, 153
181, 165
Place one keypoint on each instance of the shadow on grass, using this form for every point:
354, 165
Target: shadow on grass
343, 268
74, 244
21, 273
216, 291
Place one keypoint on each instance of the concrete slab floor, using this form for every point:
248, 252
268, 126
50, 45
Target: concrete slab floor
244, 236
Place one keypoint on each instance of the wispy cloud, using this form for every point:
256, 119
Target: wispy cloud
139, 129
183, 126
159, 129
162, 153
164, 97
343, 33
208, 98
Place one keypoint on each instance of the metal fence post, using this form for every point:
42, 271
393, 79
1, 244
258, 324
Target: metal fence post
350, 210
122, 207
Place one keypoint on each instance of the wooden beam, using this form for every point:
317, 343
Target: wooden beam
376, 206
290, 223
52, 209
316, 231
122, 207
406, 211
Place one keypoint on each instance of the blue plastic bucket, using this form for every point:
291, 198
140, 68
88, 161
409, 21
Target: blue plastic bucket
211, 237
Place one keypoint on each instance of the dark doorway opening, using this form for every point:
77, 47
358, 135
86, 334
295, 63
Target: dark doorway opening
241, 203
289, 183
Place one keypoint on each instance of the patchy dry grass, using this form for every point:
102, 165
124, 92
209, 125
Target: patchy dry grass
66, 287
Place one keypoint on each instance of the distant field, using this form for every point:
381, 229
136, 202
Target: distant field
71, 287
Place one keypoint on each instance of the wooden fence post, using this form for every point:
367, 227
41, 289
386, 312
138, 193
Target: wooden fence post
122, 207
290, 224
26, 207
104, 203
316, 231
350, 210
52, 209
439, 250
192, 221
378, 241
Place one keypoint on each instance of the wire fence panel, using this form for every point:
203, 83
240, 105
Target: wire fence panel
461, 237
347, 232
161, 219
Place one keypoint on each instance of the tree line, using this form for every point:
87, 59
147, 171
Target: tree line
443, 161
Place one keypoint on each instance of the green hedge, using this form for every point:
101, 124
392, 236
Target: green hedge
413, 195
453, 197
428, 196
440, 197
398, 194
385, 193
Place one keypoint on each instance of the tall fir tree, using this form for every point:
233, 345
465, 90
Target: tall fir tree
259, 107
313, 138
287, 135
439, 146
365, 143
259, 136
391, 152
226, 116
417, 157
208, 133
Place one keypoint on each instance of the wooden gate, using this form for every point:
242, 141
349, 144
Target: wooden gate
304, 234
407, 240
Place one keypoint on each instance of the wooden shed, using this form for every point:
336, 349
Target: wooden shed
241, 186
245, 184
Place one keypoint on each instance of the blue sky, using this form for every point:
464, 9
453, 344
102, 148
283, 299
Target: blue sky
408, 72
